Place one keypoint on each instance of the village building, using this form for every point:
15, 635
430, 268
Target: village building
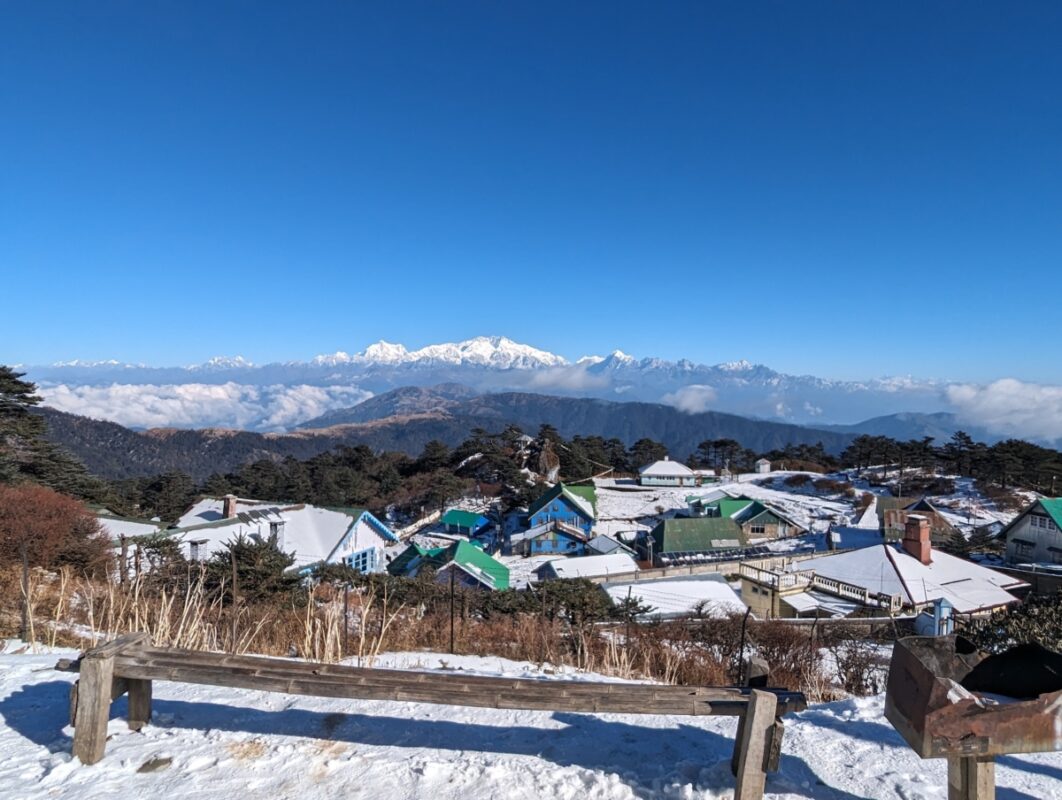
462, 562
350, 536
892, 515
888, 579
464, 523
695, 540
756, 519
763, 466
667, 473
560, 521
587, 567
603, 545
1035, 535
673, 598
117, 526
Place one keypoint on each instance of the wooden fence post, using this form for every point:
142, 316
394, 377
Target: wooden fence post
139, 703
93, 708
752, 745
96, 688
971, 778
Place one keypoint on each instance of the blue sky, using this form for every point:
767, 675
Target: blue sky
845, 189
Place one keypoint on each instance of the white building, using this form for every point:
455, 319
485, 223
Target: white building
897, 577
588, 567
763, 466
670, 598
667, 473
350, 536
117, 527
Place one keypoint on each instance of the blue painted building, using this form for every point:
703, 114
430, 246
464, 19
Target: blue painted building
560, 522
573, 506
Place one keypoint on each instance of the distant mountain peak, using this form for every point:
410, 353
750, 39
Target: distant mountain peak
384, 352
736, 366
225, 362
109, 362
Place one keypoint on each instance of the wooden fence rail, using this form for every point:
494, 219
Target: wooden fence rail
129, 664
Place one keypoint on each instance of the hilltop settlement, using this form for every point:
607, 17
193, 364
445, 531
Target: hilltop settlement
766, 583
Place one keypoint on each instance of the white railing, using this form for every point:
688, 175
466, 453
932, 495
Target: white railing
803, 579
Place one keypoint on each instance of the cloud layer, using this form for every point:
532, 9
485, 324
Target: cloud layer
693, 399
1012, 408
201, 405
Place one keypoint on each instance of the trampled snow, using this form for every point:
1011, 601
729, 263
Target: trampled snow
207, 742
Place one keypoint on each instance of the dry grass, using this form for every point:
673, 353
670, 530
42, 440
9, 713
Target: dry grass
81, 612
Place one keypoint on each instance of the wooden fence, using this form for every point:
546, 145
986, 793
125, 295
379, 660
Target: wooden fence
129, 664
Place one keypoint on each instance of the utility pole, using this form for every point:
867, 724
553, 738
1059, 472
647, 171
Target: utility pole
628, 642
451, 608
24, 627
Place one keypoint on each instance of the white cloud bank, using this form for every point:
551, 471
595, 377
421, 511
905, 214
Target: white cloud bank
693, 399
1010, 407
202, 405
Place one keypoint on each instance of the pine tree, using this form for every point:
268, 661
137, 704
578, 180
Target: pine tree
26, 455
257, 567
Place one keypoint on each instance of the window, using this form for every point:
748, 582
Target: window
364, 561
1023, 549
1056, 555
758, 529
1043, 523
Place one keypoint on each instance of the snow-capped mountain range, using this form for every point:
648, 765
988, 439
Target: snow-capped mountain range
498, 352
232, 391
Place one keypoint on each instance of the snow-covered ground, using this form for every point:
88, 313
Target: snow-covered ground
624, 506
207, 742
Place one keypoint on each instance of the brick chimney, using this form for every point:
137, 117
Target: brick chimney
228, 506
916, 538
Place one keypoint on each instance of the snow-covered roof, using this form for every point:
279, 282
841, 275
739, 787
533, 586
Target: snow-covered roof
310, 532
591, 566
666, 469
869, 518
804, 602
212, 509
888, 569
679, 597
116, 527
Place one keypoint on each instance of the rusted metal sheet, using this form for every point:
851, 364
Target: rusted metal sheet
927, 704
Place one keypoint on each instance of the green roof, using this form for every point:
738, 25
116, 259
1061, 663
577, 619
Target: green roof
587, 494
467, 555
462, 518
1053, 506
730, 507
401, 562
475, 561
696, 534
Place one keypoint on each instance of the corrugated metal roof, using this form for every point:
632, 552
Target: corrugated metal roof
692, 534
463, 519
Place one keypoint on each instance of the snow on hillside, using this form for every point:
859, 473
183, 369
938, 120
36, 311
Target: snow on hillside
625, 506
215, 742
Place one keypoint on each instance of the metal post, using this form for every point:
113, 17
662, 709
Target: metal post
451, 609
